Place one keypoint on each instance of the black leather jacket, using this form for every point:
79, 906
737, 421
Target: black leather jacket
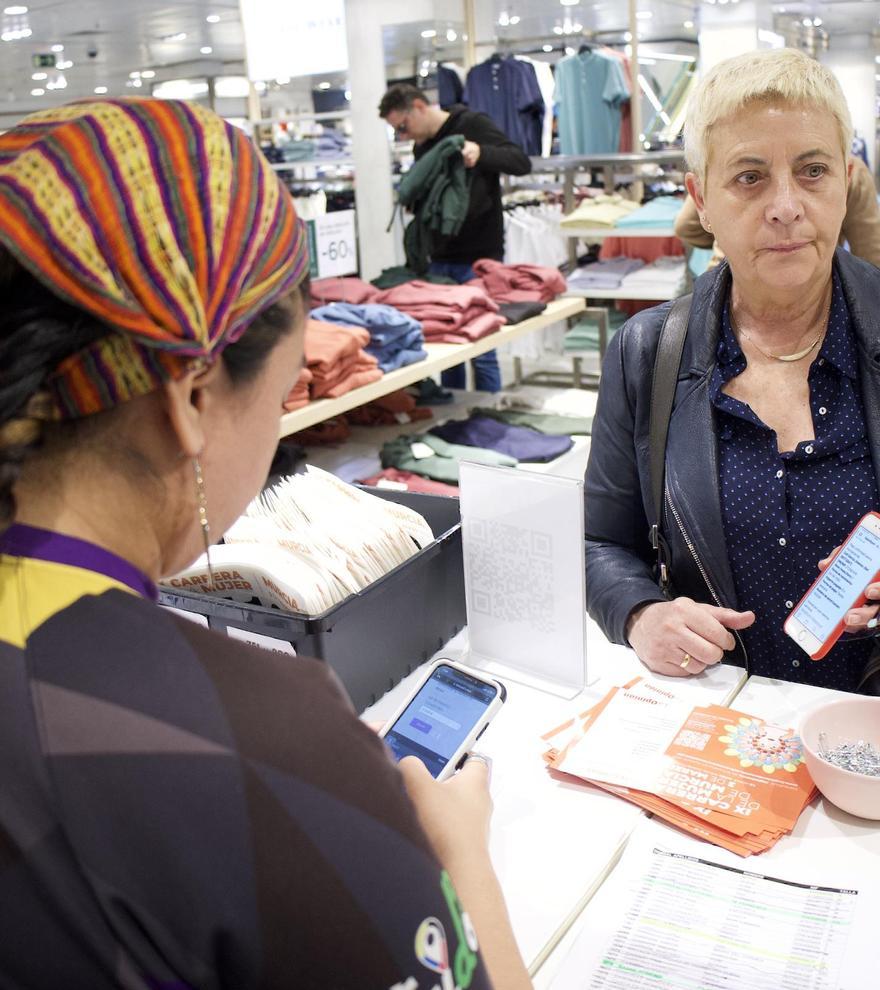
618, 497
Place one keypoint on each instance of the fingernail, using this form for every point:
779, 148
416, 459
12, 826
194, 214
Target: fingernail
852, 619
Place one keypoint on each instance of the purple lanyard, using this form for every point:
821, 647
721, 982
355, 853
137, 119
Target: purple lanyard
42, 544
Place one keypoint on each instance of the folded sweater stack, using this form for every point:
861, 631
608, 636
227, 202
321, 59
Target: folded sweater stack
517, 283
452, 314
336, 359
396, 339
299, 395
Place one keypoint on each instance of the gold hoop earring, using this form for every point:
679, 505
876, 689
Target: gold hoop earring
204, 525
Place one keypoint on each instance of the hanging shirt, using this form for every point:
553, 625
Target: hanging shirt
590, 89
547, 85
182, 810
449, 87
783, 512
507, 91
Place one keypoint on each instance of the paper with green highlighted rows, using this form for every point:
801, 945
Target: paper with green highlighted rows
677, 914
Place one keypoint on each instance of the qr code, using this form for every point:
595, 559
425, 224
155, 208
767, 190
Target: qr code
692, 740
510, 573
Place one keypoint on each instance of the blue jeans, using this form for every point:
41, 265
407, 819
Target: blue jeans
487, 373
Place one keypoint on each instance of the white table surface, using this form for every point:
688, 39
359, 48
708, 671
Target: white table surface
553, 843
827, 846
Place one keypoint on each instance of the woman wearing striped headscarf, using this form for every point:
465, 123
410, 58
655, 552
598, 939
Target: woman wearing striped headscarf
177, 808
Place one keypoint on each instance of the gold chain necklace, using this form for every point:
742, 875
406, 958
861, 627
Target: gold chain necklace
797, 356
788, 358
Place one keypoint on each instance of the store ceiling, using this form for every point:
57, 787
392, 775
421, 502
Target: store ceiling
134, 35
107, 39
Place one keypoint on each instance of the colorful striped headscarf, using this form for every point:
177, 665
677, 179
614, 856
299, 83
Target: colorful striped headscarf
159, 218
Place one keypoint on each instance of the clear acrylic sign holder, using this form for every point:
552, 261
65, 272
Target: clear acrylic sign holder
525, 584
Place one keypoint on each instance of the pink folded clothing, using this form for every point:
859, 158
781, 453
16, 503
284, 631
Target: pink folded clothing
507, 283
350, 289
476, 329
509, 295
412, 482
411, 295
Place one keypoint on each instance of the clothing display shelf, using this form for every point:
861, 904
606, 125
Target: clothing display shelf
635, 295
611, 164
440, 357
292, 118
570, 166
325, 163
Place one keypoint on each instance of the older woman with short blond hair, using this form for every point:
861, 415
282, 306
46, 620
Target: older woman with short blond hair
773, 451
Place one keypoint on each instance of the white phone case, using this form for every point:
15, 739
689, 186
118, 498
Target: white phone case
476, 731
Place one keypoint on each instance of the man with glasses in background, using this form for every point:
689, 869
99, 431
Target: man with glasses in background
489, 153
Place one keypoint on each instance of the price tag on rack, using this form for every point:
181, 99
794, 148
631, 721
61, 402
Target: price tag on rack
332, 244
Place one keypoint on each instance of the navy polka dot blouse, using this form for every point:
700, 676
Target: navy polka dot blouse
783, 513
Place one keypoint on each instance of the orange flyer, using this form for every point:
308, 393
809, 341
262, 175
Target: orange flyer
721, 775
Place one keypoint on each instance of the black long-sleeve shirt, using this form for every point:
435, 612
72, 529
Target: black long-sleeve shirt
482, 234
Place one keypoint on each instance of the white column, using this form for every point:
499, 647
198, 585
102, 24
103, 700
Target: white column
374, 198
851, 59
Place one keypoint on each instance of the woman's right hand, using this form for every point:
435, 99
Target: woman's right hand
664, 634
454, 813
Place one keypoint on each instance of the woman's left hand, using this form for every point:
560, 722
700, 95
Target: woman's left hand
857, 620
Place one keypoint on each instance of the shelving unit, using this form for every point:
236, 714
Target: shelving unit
440, 357
314, 163
636, 295
600, 233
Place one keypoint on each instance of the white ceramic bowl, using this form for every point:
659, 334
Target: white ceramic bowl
842, 721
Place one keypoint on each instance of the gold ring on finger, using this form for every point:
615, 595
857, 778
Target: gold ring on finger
687, 659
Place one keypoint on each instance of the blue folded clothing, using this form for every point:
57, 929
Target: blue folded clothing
521, 442
400, 359
396, 339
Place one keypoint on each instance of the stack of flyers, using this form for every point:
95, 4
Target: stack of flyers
727, 777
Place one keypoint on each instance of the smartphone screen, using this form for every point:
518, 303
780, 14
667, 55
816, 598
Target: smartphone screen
438, 719
842, 583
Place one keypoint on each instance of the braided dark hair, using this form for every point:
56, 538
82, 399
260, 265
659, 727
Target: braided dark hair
38, 331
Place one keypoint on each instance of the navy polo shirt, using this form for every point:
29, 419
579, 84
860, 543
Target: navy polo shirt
783, 513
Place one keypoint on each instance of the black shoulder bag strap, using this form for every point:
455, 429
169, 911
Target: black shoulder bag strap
666, 368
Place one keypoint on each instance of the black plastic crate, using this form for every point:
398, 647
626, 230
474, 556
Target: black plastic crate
374, 638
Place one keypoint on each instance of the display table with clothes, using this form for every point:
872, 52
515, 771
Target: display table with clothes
356, 455
828, 848
555, 845
440, 357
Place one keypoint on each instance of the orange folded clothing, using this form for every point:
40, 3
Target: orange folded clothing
518, 283
335, 356
299, 394
364, 372
349, 289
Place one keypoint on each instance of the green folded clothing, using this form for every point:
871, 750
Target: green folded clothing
442, 465
390, 277
549, 423
584, 335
